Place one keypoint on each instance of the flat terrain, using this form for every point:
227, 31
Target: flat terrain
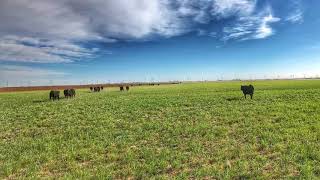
62, 87
203, 130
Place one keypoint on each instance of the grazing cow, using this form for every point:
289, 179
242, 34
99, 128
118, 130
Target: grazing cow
127, 88
67, 93
96, 89
54, 95
72, 93
121, 88
101, 87
91, 88
247, 90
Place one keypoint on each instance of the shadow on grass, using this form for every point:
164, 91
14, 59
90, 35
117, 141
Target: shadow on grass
234, 99
92, 92
41, 101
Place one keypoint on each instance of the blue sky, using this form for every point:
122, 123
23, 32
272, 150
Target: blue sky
46, 42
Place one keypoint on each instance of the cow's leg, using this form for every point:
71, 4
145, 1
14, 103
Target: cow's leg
251, 95
245, 96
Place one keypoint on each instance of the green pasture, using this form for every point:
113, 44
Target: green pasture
190, 130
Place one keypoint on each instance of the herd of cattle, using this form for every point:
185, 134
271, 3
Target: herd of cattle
122, 88
68, 93
96, 89
71, 93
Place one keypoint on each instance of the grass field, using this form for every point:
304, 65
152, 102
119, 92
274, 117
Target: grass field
203, 130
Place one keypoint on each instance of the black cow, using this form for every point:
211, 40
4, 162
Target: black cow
96, 89
247, 90
72, 93
127, 88
69, 93
121, 88
101, 87
54, 95
91, 88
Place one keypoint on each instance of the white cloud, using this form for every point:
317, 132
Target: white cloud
53, 31
33, 23
264, 30
11, 51
87, 20
26, 49
227, 8
255, 26
296, 12
296, 16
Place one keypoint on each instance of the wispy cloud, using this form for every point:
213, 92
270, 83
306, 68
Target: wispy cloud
296, 12
297, 17
27, 49
253, 26
227, 8
265, 30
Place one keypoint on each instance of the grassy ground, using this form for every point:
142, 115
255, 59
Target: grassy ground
204, 130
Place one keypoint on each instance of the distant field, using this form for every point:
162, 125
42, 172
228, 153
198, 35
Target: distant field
202, 130
62, 87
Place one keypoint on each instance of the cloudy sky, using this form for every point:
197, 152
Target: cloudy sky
72, 41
